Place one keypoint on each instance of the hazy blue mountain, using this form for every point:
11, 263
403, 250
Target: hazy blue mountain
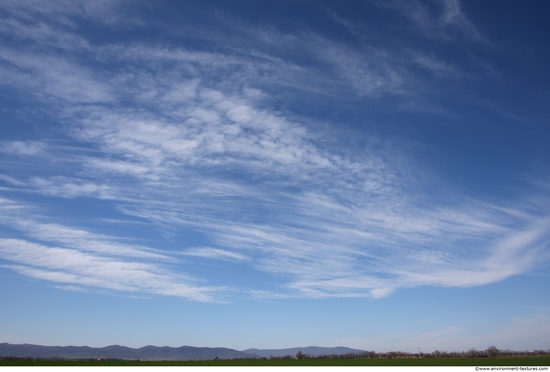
120, 352
313, 351
160, 352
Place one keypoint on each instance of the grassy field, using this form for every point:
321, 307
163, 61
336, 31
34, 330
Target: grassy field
503, 361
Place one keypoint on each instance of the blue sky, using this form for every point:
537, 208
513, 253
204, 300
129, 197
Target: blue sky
269, 174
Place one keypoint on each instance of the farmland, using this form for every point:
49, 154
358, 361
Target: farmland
463, 361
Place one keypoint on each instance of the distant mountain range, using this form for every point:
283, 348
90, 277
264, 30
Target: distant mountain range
158, 353
120, 352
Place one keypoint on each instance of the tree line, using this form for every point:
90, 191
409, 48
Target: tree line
490, 352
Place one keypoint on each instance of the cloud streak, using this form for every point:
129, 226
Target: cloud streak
77, 257
72, 267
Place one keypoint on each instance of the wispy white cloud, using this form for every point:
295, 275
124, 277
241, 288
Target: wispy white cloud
333, 236
47, 36
439, 19
193, 143
16, 216
453, 16
436, 66
69, 13
215, 253
69, 266
12, 181
71, 188
51, 76
22, 148
77, 257
370, 72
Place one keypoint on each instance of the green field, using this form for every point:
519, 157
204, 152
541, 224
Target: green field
474, 361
